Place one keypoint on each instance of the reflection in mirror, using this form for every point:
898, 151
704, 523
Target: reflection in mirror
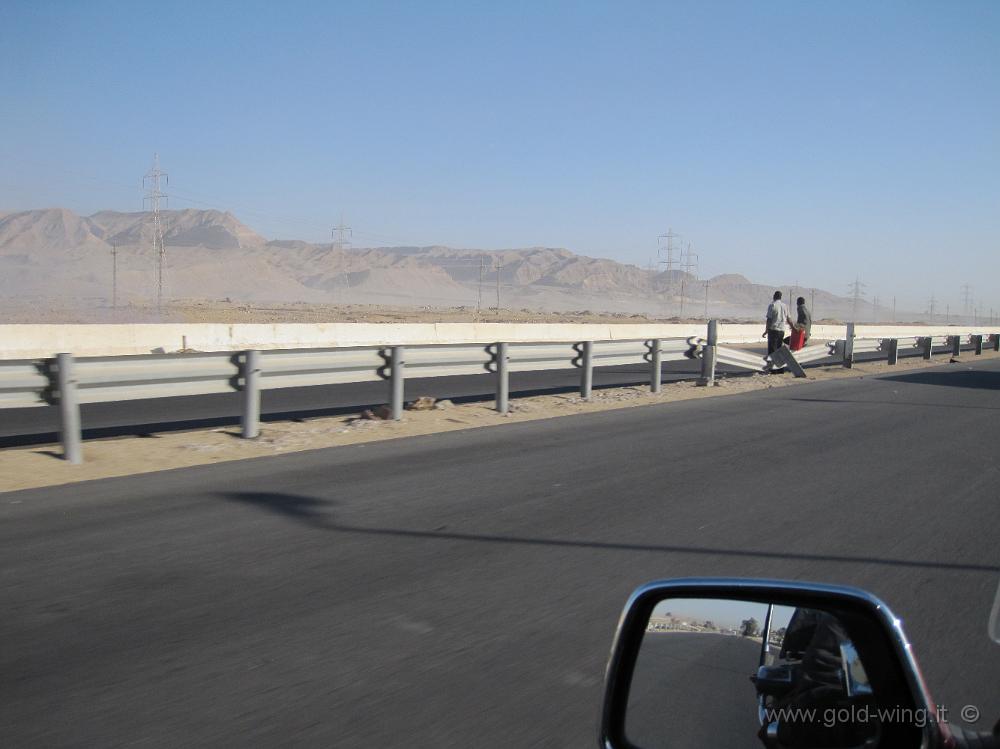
748, 674
995, 618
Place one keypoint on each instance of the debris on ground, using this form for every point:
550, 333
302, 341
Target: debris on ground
423, 403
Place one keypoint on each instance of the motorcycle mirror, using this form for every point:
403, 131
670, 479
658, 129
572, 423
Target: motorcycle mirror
727, 662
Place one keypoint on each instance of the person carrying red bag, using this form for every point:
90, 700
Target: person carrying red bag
802, 327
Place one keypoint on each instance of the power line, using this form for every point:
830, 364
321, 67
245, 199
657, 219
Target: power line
151, 183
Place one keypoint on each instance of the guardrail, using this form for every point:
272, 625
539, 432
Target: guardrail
67, 382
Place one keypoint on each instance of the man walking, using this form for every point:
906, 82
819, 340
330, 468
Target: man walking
777, 317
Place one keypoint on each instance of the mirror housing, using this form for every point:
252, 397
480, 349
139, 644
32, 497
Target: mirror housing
874, 627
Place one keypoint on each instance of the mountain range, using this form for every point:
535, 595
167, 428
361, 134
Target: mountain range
59, 255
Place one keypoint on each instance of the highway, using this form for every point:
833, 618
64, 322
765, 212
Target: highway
32, 426
462, 589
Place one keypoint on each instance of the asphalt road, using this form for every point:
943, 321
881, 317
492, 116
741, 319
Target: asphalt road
30, 426
462, 589
693, 690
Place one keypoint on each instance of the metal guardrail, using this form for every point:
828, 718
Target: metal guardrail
23, 383
68, 382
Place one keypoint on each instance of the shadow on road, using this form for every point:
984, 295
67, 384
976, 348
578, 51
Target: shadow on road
964, 378
315, 512
907, 404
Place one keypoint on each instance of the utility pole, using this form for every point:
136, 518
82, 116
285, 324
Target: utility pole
706, 301
947, 314
875, 309
499, 268
894, 309
857, 294
151, 183
114, 275
930, 309
812, 302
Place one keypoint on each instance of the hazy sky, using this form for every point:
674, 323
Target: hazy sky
788, 141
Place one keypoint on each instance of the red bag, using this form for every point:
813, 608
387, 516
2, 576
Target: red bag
797, 340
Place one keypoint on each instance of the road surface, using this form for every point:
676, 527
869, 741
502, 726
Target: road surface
462, 589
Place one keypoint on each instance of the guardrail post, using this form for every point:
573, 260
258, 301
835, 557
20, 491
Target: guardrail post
849, 346
893, 351
587, 370
655, 365
503, 378
995, 341
927, 346
709, 354
69, 409
956, 345
251, 395
396, 378
977, 341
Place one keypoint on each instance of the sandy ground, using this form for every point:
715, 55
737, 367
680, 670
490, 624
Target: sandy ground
22, 468
222, 311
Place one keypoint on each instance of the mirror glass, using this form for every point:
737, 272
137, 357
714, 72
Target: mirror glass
747, 674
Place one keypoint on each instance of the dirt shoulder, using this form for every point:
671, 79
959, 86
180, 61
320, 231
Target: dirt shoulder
24, 468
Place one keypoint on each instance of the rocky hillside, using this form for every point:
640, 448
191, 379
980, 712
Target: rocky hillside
56, 254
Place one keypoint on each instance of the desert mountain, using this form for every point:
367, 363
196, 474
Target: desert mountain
54, 253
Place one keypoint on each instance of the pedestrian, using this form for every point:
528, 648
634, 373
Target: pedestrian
777, 318
803, 325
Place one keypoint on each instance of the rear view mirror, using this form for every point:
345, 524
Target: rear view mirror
761, 664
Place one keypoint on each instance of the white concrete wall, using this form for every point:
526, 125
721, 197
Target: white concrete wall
35, 341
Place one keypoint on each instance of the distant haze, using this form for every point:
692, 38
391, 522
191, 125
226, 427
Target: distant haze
59, 256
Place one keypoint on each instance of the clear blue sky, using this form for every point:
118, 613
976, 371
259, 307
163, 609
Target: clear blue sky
788, 141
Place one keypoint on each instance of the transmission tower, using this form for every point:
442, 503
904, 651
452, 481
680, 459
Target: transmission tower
114, 275
151, 183
341, 235
857, 295
482, 272
499, 268
667, 252
689, 262
967, 296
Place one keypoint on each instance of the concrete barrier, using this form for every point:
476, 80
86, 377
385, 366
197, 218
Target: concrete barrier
43, 341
